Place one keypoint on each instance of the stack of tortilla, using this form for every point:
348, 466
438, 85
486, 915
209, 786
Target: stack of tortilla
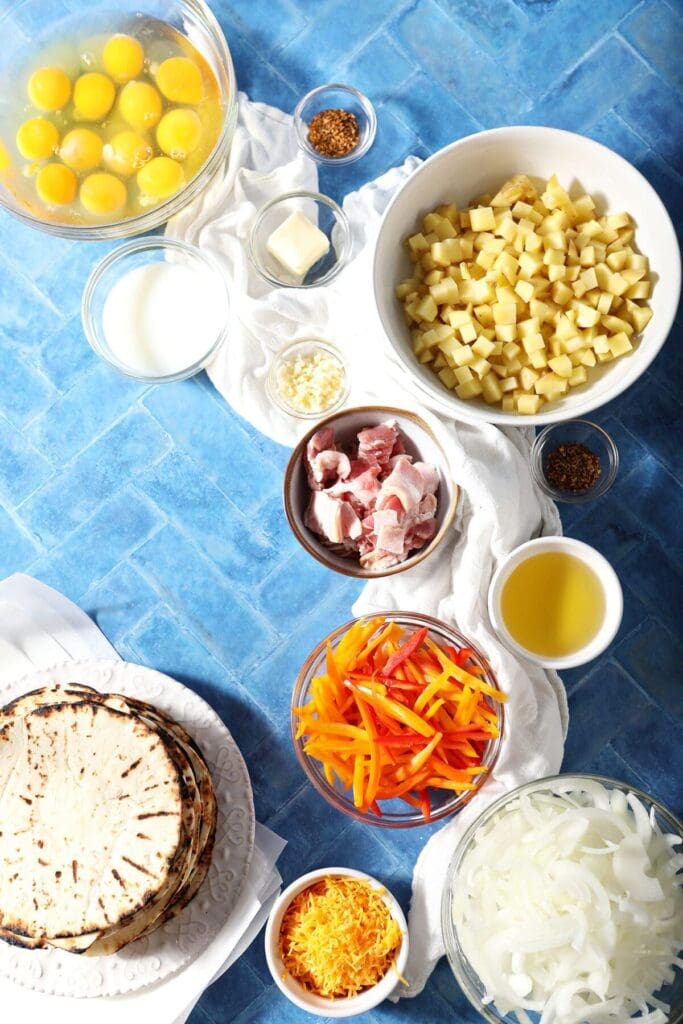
107, 820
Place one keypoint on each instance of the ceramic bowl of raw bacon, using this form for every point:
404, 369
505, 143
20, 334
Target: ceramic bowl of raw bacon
369, 491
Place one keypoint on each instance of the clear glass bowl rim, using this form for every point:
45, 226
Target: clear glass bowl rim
158, 215
301, 125
412, 818
280, 358
119, 255
603, 483
460, 965
317, 197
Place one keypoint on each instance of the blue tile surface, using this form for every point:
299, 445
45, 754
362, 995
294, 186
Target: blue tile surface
159, 510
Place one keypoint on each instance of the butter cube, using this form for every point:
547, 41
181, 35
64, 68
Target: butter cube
298, 244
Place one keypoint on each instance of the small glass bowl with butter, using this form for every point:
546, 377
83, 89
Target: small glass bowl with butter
300, 240
308, 379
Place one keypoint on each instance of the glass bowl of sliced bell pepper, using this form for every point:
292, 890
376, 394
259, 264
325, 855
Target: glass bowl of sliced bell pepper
397, 719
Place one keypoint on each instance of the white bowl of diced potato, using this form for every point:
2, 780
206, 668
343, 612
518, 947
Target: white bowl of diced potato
526, 275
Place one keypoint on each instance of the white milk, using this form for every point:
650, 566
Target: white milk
161, 318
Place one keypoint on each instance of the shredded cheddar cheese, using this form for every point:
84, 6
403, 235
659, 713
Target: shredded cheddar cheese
338, 937
311, 383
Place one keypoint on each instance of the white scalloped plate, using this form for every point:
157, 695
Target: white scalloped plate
182, 939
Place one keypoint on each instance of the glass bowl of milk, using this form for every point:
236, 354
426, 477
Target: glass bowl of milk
156, 309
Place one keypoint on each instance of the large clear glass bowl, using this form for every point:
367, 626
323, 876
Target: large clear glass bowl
464, 972
28, 26
395, 813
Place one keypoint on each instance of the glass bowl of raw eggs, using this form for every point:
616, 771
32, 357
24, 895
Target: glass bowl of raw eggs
113, 117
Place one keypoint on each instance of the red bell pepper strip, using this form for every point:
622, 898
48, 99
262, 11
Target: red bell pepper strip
405, 651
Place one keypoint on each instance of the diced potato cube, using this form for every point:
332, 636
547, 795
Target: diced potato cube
463, 356
617, 260
601, 345
525, 290
561, 365
504, 312
427, 309
468, 332
538, 359
587, 357
533, 343
604, 302
482, 219
444, 229
445, 291
527, 377
588, 278
557, 272
586, 316
510, 351
440, 363
551, 386
507, 403
483, 347
485, 259
463, 374
509, 384
618, 220
491, 389
561, 293
418, 244
449, 211
529, 405
481, 367
640, 317
484, 315
616, 324
620, 344
470, 389
447, 377
506, 332
640, 290
433, 277
579, 376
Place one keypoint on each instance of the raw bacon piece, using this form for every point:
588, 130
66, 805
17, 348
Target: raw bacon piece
324, 464
333, 519
360, 487
430, 476
406, 483
376, 444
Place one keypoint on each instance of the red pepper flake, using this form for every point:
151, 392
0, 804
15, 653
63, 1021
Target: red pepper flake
572, 467
334, 132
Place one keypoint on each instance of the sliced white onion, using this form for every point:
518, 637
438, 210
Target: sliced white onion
569, 903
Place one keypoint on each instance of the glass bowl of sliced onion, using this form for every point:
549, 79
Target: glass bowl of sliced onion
563, 904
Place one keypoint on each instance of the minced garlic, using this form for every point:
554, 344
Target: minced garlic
311, 383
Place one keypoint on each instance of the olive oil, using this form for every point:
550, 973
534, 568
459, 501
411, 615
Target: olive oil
553, 604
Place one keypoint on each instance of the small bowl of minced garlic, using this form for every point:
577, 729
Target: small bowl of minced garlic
308, 379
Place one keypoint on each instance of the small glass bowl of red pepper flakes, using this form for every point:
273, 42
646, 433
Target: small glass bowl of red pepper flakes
397, 719
326, 100
574, 461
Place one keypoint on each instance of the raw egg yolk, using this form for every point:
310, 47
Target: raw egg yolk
94, 96
140, 105
56, 184
161, 177
127, 153
180, 80
179, 133
49, 88
103, 193
37, 139
123, 58
81, 149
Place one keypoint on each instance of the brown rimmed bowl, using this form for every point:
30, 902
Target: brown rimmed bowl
395, 813
420, 442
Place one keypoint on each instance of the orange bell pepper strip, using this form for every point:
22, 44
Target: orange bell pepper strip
418, 761
358, 781
375, 762
425, 805
397, 711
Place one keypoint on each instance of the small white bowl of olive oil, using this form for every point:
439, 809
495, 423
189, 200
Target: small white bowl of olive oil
556, 601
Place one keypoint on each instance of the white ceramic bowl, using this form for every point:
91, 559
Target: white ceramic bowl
614, 599
420, 442
307, 1000
481, 163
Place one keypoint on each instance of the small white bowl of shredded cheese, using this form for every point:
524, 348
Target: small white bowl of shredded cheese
308, 379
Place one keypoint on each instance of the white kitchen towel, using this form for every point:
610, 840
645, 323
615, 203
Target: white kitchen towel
500, 505
38, 628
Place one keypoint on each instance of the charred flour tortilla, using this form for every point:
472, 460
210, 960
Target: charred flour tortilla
107, 820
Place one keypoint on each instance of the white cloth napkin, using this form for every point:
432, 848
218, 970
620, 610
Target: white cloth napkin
40, 628
500, 505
